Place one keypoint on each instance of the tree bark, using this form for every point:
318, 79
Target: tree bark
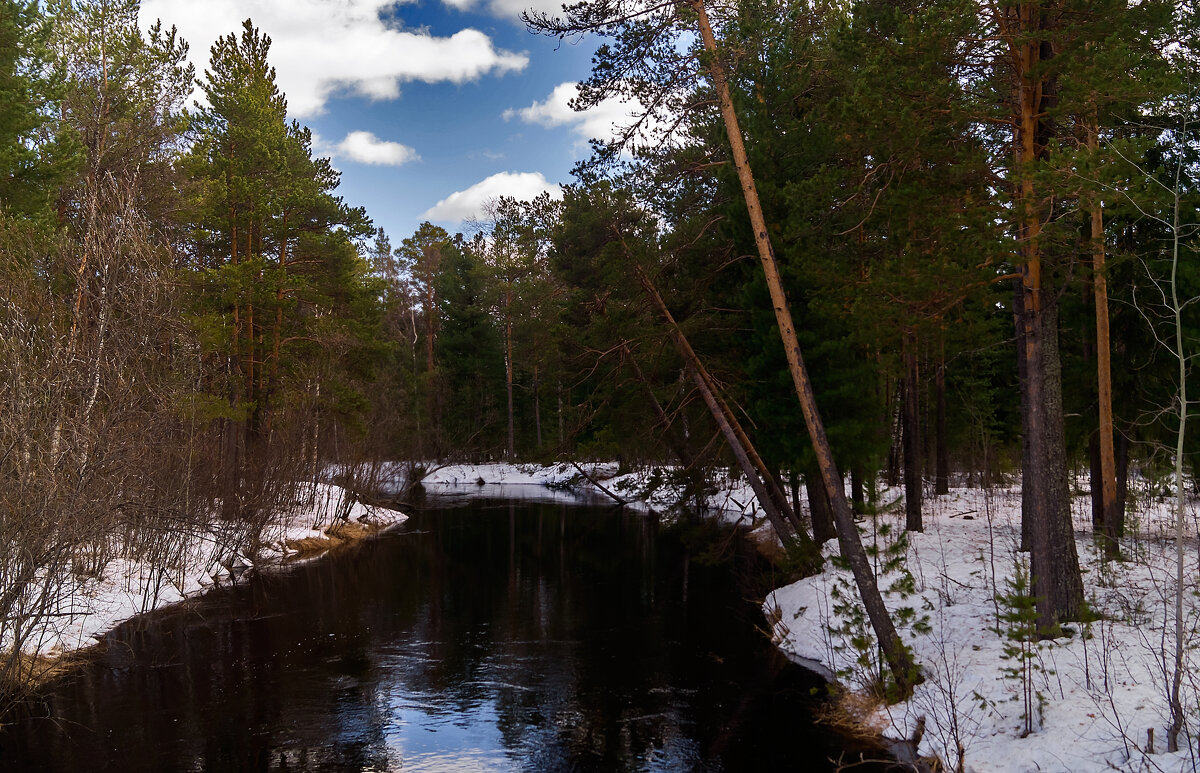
942, 485
819, 509
1054, 566
912, 436
511, 448
899, 659
1122, 484
537, 407
1108, 466
1027, 460
857, 500
1066, 581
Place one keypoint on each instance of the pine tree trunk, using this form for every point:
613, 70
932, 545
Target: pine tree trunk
942, 485
856, 490
1054, 564
819, 510
537, 407
1096, 493
1122, 484
1108, 466
912, 437
898, 657
511, 449
1027, 461
1067, 592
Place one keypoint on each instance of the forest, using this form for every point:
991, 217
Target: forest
928, 243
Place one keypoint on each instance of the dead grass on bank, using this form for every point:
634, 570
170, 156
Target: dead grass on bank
36, 671
338, 535
854, 715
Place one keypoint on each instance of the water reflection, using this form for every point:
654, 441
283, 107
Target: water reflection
494, 636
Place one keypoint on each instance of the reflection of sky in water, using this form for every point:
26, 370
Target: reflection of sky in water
450, 493
456, 728
427, 737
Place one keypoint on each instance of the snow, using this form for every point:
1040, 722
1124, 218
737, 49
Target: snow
646, 489
88, 607
1096, 693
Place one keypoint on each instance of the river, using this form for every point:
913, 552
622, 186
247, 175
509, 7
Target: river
484, 635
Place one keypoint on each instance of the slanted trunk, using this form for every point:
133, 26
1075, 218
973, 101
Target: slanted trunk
819, 509
770, 496
899, 659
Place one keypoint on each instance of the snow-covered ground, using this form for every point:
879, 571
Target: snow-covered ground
87, 607
1095, 695
645, 489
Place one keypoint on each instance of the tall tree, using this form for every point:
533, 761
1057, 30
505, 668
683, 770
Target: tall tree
1027, 74
283, 280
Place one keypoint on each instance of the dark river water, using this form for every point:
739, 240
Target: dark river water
481, 636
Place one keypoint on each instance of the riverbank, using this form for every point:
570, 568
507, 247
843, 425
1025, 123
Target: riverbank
1098, 697
650, 489
324, 517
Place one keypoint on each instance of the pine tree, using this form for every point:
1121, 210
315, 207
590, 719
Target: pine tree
36, 152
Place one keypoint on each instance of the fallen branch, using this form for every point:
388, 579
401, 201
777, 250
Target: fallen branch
598, 485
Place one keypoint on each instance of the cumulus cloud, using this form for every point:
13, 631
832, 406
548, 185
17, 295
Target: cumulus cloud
325, 47
366, 148
602, 122
463, 205
510, 9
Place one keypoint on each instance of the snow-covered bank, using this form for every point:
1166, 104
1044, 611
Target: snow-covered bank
1095, 695
646, 489
89, 606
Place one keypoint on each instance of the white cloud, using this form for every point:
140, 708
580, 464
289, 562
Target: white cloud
463, 205
604, 122
323, 47
510, 9
366, 148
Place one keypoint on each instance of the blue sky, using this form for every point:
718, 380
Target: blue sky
428, 108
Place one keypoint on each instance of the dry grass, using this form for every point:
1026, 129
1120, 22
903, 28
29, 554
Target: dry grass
855, 715
310, 546
38, 670
336, 536
351, 531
